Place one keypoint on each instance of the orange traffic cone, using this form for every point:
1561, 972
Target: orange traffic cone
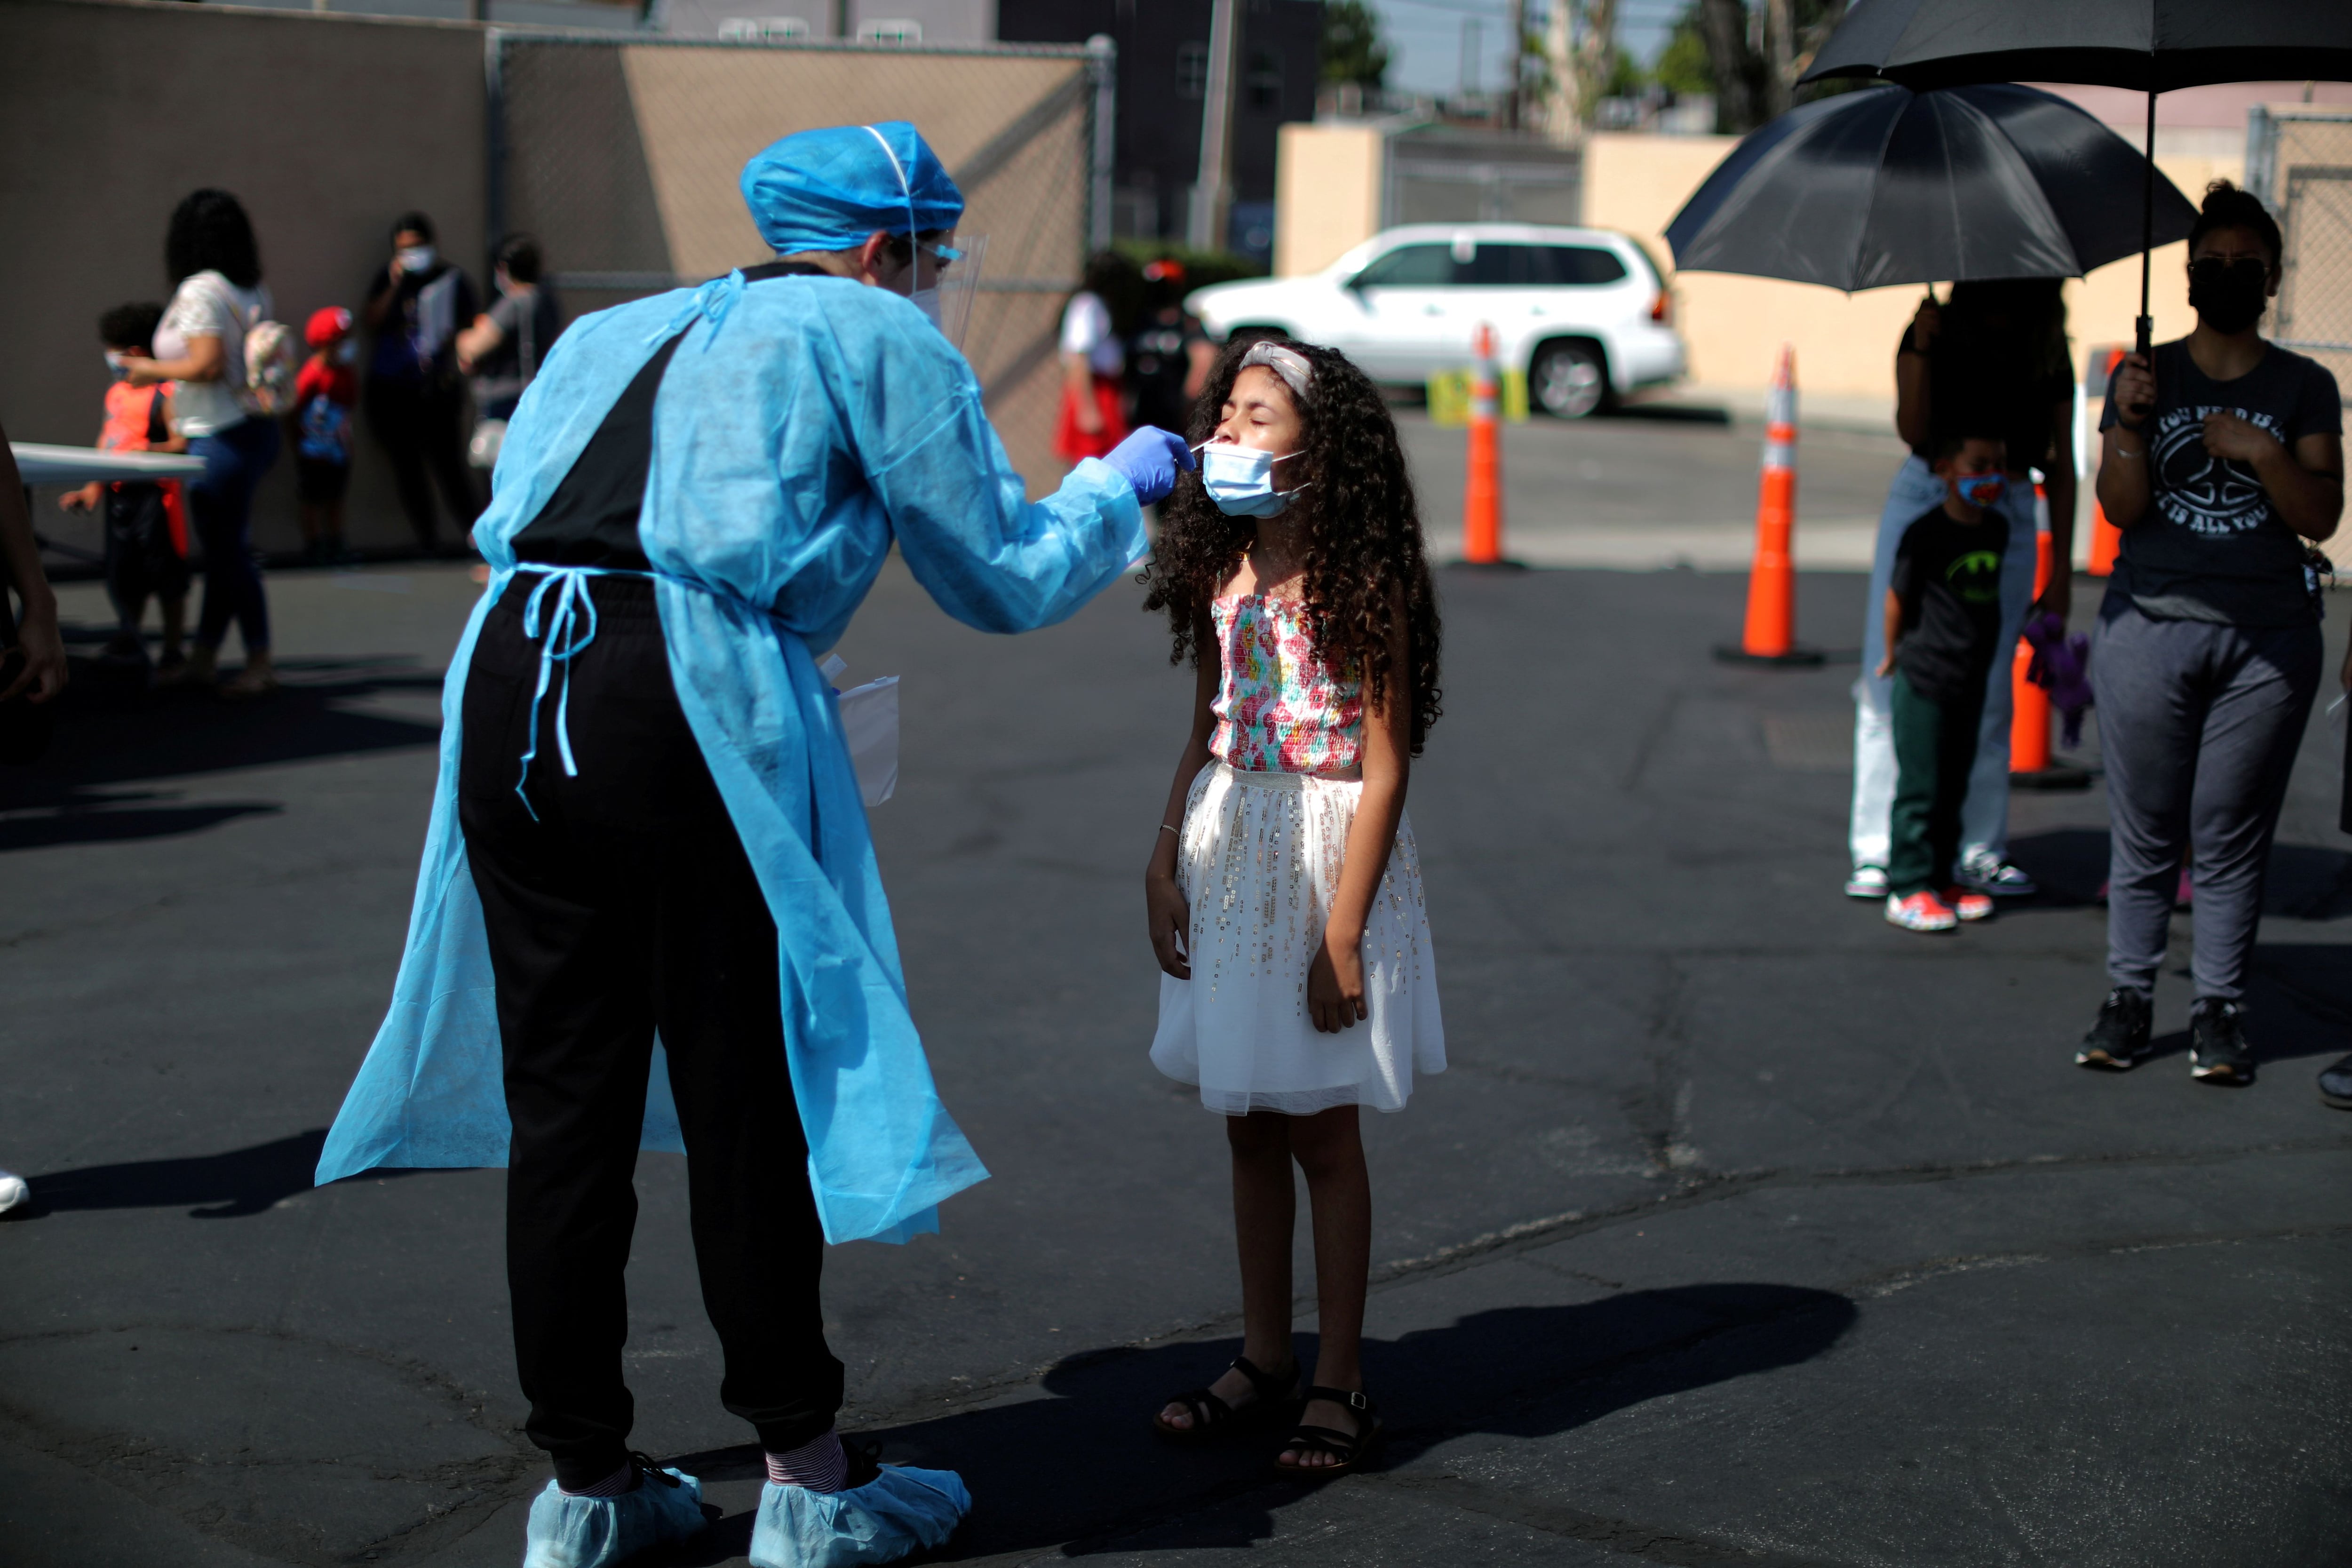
1482, 496
2030, 715
1771, 633
2106, 538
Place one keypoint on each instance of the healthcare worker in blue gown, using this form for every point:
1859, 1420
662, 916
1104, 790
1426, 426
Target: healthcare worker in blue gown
649, 913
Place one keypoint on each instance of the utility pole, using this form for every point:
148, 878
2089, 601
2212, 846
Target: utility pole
1780, 44
1563, 118
1212, 192
1513, 78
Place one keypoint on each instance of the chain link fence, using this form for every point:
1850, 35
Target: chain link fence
621, 158
2299, 161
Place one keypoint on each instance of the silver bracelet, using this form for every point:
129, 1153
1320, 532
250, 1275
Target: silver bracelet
1165, 828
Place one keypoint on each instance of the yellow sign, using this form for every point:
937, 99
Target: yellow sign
1449, 397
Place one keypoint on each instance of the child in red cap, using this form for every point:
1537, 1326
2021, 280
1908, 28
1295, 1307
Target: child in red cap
321, 428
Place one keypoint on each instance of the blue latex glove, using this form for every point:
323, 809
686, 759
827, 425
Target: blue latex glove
1149, 460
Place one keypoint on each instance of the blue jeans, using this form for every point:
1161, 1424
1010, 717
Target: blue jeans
220, 508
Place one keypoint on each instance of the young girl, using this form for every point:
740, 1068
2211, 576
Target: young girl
1284, 895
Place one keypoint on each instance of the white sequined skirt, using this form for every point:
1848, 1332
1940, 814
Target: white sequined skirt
1258, 862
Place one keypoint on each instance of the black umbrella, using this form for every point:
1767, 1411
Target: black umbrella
1892, 187
2154, 45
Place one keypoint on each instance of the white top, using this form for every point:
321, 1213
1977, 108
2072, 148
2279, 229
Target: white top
207, 305
1085, 329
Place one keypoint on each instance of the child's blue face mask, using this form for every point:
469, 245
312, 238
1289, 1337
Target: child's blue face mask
1240, 480
1980, 489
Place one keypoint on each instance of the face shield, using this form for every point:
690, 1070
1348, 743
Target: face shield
945, 276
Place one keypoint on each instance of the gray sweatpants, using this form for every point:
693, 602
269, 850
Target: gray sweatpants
2199, 724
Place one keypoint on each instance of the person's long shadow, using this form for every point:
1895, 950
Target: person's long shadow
113, 729
1085, 1467
216, 1186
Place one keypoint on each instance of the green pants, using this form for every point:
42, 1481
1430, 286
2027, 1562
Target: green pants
1935, 747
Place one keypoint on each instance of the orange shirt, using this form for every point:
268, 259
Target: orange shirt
131, 417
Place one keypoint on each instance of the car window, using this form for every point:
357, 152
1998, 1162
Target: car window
1580, 264
1494, 265
1502, 265
1410, 267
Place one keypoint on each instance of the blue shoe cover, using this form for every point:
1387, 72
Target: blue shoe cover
598, 1532
901, 1512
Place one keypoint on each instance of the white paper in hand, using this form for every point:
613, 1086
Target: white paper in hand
869, 723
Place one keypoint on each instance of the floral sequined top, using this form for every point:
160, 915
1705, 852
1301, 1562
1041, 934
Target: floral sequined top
1279, 707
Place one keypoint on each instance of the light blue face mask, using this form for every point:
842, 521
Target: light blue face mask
1240, 480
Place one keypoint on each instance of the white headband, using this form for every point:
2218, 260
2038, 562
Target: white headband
1288, 364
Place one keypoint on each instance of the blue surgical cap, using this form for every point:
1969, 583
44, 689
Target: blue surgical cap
827, 190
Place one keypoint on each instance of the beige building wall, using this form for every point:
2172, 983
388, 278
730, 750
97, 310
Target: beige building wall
325, 127
626, 161
1327, 194
1734, 326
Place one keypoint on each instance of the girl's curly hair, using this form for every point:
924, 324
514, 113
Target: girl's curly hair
1359, 522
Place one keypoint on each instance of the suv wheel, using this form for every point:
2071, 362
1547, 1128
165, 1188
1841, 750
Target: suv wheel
1568, 380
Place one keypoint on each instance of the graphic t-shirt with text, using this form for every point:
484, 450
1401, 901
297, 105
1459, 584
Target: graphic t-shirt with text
2213, 548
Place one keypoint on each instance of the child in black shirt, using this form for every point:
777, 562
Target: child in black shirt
1943, 627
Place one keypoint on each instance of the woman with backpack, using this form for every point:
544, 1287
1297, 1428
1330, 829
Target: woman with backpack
217, 304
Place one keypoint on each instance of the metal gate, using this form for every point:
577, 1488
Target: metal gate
2299, 161
621, 158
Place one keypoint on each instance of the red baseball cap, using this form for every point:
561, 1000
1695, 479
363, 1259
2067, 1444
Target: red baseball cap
327, 323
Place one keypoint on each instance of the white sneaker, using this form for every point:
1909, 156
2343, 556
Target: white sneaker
1867, 882
2000, 878
13, 1190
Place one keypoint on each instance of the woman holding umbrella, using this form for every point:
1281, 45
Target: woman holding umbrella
1996, 350
2223, 455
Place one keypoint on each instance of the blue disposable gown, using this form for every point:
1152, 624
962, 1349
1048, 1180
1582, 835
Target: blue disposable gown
803, 424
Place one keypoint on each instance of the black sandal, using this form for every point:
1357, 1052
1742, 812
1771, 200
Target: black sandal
1212, 1417
1348, 1450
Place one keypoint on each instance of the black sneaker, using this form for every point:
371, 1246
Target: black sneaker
2218, 1052
2336, 1084
2120, 1037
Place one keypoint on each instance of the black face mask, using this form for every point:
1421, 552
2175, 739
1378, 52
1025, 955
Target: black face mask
2229, 296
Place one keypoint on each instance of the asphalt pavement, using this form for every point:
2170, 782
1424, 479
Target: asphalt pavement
1664, 484
1744, 1228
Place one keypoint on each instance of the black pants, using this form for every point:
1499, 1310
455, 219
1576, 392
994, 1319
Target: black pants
141, 561
422, 427
1935, 749
629, 906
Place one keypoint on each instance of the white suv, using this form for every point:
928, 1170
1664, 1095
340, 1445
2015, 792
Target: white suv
1582, 310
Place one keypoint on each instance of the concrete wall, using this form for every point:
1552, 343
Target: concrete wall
1327, 194
325, 127
1845, 343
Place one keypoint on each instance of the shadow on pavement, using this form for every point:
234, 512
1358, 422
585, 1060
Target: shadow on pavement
240, 1182
2316, 981
1086, 1465
93, 822
2305, 881
113, 729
